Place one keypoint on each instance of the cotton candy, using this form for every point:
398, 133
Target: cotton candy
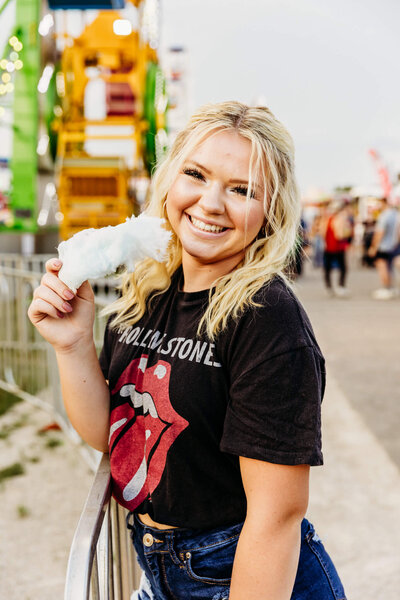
94, 253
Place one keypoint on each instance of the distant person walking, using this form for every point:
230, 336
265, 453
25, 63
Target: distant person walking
317, 241
368, 236
296, 266
338, 232
383, 246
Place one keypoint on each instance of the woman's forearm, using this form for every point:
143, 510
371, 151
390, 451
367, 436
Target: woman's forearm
266, 561
85, 394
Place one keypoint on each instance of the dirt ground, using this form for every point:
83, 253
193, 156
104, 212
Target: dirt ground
40, 508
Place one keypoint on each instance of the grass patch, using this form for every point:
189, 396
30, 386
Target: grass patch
7, 400
12, 471
23, 511
7, 429
53, 442
5, 432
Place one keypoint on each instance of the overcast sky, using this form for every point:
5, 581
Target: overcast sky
328, 69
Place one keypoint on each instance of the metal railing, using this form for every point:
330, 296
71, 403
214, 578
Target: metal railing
102, 564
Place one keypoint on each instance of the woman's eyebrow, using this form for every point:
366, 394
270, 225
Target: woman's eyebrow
202, 167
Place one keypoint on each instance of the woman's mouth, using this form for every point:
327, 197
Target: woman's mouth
205, 226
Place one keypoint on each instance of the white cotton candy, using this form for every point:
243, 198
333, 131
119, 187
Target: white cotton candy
94, 253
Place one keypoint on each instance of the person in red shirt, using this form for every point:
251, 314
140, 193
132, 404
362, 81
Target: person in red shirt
337, 234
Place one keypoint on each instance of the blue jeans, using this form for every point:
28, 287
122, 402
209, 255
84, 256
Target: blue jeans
185, 564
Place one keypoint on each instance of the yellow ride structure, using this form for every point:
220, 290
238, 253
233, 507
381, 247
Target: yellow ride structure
110, 71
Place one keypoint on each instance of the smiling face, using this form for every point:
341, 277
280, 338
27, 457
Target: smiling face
208, 209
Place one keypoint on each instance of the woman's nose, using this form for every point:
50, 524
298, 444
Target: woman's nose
211, 200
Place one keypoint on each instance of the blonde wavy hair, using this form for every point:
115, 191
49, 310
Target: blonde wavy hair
272, 166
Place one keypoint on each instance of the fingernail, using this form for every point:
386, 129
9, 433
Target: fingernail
67, 307
60, 314
68, 294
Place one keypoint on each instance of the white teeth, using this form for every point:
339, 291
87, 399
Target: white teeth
148, 405
205, 227
139, 400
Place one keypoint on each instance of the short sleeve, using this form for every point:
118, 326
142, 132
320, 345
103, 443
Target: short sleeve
274, 410
381, 223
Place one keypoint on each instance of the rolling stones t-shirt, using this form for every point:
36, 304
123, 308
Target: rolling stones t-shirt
183, 408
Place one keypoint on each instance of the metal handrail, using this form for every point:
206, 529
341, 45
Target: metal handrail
84, 544
101, 563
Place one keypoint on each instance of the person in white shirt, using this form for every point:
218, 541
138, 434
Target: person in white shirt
382, 248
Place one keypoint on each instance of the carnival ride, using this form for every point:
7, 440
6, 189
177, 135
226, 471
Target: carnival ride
100, 114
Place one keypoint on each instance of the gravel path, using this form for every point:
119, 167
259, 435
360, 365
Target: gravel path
41, 508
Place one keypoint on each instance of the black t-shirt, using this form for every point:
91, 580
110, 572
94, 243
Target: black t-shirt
183, 409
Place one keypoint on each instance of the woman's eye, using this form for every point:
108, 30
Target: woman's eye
243, 190
194, 173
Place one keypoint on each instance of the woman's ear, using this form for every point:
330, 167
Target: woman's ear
263, 231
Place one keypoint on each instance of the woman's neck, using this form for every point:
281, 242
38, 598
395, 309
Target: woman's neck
198, 276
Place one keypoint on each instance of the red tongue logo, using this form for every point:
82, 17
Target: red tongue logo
143, 427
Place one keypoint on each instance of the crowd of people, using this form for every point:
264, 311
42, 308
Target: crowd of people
335, 227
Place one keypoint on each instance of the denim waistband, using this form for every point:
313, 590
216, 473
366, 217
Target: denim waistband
162, 540
185, 539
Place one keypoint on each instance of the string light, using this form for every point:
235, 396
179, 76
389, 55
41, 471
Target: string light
43, 144
122, 27
9, 65
46, 24
44, 81
60, 84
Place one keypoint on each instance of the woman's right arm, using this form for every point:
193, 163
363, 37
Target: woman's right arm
67, 324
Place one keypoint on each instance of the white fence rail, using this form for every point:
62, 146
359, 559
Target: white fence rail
102, 564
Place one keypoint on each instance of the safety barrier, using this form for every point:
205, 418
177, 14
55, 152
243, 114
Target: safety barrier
102, 564
28, 366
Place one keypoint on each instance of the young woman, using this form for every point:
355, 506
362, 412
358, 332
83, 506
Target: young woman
208, 390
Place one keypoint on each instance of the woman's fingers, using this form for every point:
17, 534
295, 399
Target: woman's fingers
46, 293
40, 309
53, 265
51, 297
52, 281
